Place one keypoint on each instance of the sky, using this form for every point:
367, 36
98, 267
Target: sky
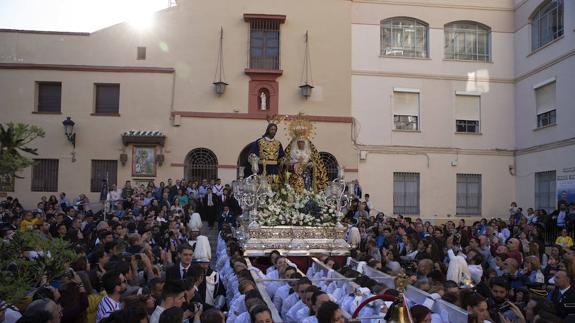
73, 15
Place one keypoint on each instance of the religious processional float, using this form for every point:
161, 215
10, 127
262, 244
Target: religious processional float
289, 204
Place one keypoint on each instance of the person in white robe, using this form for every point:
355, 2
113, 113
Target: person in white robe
195, 223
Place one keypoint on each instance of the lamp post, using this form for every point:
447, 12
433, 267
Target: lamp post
69, 130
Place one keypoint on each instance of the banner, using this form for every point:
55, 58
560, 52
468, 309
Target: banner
565, 189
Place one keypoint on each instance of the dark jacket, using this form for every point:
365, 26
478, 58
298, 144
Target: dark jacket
564, 304
174, 273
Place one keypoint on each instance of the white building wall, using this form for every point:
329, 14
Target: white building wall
551, 148
436, 152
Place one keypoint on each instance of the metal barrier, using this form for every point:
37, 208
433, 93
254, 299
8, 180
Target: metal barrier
378, 276
448, 312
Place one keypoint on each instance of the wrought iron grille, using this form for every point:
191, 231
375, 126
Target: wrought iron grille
330, 164
103, 170
45, 175
201, 163
265, 44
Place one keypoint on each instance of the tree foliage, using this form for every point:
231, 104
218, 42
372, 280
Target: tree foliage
14, 141
21, 272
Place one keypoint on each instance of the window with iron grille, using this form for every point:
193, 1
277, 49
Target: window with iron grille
545, 187
107, 98
6, 183
467, 40
468, 194
406, 193
49, 97
330, 164
45, 175
403, 36
201, 163
265, 44
103, 170
546, 23
545, 105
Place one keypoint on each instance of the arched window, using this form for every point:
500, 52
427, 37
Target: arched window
467, 40
546, 23
331, 166
244, 162
201, 163
403, 36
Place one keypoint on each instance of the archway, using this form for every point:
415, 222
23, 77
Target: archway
243, 162
330, 164
201, 163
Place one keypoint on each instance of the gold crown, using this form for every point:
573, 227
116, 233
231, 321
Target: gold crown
275, 118
301, 128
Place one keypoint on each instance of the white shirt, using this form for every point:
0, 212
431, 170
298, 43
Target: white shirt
106, 306
302, 313
155, 317
281, 294
291, 315
288, 303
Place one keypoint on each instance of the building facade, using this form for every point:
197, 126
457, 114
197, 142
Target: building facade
442, 108
463, 106
544, 82
143, 101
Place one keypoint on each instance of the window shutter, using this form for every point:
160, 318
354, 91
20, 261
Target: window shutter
467, 107
107, 98
545, 98
49, 96
406, 103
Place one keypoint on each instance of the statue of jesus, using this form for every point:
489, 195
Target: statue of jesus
266, 154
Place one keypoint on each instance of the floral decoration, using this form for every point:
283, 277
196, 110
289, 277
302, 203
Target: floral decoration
287, 207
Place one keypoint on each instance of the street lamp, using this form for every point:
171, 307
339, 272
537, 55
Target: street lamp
69, 130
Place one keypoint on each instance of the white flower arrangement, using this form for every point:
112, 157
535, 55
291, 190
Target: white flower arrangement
286, 207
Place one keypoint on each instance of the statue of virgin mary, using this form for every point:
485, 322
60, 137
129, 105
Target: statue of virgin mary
306, 170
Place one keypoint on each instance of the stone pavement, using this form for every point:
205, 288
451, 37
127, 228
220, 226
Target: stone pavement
212, 235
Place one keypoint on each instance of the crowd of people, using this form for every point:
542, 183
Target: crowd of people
141, 257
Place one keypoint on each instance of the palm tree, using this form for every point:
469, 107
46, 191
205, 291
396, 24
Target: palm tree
14, 140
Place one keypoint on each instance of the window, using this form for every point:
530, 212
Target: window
467, 40
7, 183
467, 113
405, 37
330, 164
141, 53
201, 163
265, 44
107, 98
103, 170
406, 110
468, 194
545, 190
45, 175
546, 23
49, 97
406, 193
545, 102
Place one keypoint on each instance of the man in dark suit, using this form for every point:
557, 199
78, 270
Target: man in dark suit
226, 217
563, 296
181, 270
